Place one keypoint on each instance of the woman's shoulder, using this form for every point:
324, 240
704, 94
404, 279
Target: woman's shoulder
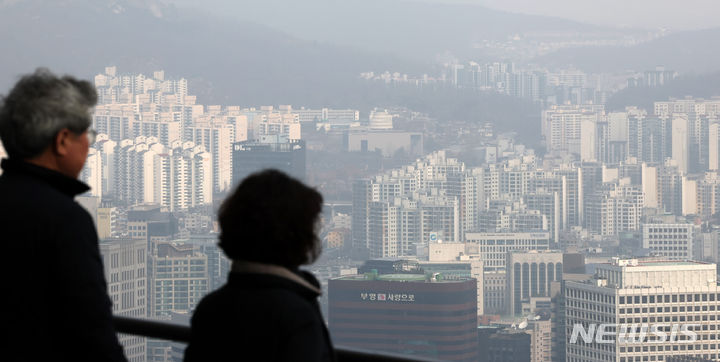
268, 308
260, 291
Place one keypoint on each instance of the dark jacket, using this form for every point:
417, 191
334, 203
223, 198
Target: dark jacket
261, 316
55, 303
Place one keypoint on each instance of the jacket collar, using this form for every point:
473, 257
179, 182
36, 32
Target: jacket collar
248, 267
67, 185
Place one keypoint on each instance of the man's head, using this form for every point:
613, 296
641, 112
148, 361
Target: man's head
44, 119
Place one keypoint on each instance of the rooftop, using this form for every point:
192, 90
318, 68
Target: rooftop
653, 262
417, 278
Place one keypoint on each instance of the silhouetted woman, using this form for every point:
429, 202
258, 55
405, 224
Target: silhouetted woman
268, 309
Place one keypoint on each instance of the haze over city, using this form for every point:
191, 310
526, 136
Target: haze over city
485, 180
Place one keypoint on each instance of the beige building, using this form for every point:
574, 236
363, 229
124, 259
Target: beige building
494, 284
572, 129
541, 340
337, 238
125, 263
671, 241
105, 222
179, 278
667, 297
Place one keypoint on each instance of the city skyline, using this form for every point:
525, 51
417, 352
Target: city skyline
514, 181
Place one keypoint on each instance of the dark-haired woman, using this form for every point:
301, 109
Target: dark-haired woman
268, 310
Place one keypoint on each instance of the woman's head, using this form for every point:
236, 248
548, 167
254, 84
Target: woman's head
271, 218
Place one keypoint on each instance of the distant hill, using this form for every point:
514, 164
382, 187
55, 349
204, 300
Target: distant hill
412, 29
689, 51
700, 86
228, 61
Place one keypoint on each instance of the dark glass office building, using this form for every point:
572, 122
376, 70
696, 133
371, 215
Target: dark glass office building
411, 314
268, 152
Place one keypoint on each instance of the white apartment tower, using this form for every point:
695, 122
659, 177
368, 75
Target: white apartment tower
681, 142
615, 208
92, 172
218, 139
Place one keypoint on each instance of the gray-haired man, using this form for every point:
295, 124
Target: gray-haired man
55, 302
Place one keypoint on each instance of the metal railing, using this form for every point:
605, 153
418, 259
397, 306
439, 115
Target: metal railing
180, 333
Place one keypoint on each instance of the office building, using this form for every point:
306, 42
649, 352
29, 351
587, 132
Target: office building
274, 152
629, 294
530, 275
178, 279
383, 312
493, 248
327, 115
380, 120
495, 292
671, 241
504, 345
125, 264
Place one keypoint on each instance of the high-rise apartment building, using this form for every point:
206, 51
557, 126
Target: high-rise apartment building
91, 174
614, 208
218, 139
572, 129
508, 216
714, 146
145, 171
548, 204
268, 121
434, 199
681, 142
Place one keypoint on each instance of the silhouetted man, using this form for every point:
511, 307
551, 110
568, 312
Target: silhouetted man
55, 302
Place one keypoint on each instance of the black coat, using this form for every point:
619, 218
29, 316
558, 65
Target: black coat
55, 303
260, 317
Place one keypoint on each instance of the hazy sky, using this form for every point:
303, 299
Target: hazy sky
672, 14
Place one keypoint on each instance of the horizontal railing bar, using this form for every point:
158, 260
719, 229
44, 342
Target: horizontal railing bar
181, 333
152, 329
